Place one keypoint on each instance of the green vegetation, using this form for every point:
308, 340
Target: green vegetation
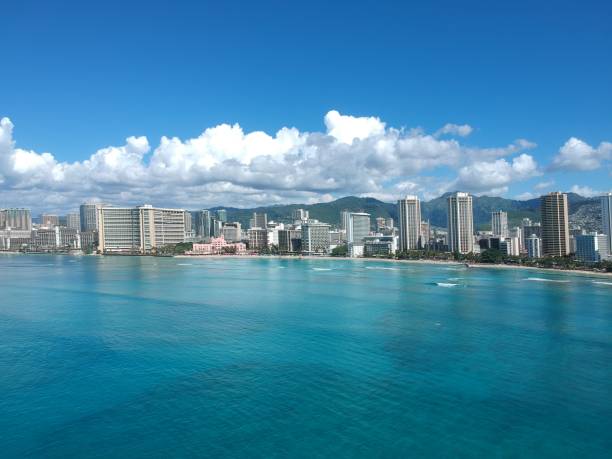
493, 256
340, 251
175, 249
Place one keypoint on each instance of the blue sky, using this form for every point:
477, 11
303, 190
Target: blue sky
79, 78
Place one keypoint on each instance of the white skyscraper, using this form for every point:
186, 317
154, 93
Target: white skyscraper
606, 218
460, 223
409, 211
499, 223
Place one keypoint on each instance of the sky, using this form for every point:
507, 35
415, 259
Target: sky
198, 104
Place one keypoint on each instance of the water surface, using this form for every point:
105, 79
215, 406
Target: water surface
159, 357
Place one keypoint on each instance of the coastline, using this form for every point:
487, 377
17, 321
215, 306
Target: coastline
391, 260
580, 272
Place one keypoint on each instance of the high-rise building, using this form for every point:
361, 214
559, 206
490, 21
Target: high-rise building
533, 244
358, 227
139, 229
510, 246
409, 212
344, 220
16, 219
258, 238
89, 214
300, 215
606, 218
499, 223
222, 215
232, 232
201, 223
73, 221
425, 233
555, 224
315, 238
49, 220
259, 220
289, 240
592, 247
460, 223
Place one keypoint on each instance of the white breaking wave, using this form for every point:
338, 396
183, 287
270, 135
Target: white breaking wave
445, 284
602, 283
540, 279
381, 267
321, 269
184, 264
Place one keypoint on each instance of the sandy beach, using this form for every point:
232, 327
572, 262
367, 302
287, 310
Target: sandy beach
425, 262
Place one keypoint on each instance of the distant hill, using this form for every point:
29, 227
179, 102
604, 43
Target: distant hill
584, 211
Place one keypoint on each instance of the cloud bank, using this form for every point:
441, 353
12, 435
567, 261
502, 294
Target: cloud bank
226, 166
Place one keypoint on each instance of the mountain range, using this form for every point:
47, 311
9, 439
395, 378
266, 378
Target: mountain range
583, 211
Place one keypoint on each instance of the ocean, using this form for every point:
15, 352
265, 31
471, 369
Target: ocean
134, 357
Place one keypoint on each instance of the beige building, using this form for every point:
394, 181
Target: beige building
460, 223
139, 229
409, 212
555, 224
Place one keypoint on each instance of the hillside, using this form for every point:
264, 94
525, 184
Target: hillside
584, 211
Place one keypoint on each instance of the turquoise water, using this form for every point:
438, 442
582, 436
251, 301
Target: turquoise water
160, 357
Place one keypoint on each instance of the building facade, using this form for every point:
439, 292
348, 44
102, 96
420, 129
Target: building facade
409, 212
232, 232
89, 215
533, 244
499, 223
555, 225
218, 246
15, 219
460, 223
592, 247
315, 238
289, 240
73, 221
258, 238
139, 229
606, 218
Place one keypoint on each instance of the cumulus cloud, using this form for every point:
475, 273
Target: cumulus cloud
226, 166
494, 177
578, 155
462, 130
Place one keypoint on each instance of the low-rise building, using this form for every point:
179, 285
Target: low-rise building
218, 246
592, 247
315, 238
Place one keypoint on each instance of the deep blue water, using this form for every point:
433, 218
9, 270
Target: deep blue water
159, 357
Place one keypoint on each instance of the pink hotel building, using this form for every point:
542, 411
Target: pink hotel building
218, 246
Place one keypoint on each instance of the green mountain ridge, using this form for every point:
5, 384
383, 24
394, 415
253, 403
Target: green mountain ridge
433, 210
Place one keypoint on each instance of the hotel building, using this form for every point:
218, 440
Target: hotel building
555, 225
139, 229
409, 212
460, 223
315, 238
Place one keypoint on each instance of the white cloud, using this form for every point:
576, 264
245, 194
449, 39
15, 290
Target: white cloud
544, 185
226, 166
494, 177
578, 155
346, 128
462, 130
586, 191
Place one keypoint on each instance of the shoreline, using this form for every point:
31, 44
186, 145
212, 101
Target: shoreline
580, 272
391, 260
